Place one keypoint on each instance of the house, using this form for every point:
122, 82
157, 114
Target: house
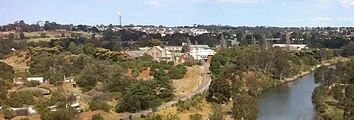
157, 53
292, 46
133, 54
174, 48
201, 52
39, 79
186, 57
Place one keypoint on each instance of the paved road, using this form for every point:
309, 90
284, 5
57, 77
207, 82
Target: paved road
204, 86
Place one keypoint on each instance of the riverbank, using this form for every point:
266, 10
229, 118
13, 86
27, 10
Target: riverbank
275, 83
325, 63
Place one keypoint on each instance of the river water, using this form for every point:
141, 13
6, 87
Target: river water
291, 101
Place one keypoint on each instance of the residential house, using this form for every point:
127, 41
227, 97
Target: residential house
186, 57
133, 54
158, 53
201, 52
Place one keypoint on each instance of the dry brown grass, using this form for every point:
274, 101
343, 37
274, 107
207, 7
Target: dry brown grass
204, 111
18, 63
105, 115
145, 75
32, 117
190, 82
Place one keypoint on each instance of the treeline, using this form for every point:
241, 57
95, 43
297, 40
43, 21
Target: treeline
334, 98
242, 73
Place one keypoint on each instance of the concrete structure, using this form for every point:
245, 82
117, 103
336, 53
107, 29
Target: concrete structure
39, 79
35, 89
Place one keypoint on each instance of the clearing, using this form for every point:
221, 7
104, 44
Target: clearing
18, 62
190, 82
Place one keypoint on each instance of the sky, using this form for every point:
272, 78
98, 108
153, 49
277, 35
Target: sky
279, 13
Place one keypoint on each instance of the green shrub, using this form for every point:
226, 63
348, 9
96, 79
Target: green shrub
97, 117
31, 83
177, 72
196, 116
99, 105
8, 114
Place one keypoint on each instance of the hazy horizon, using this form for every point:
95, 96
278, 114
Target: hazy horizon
273, 13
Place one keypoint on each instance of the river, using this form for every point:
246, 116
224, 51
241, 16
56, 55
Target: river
291, 101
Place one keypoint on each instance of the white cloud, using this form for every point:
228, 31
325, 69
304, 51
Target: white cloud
345, 19
159, 2
290, 20
321, 19
346, 3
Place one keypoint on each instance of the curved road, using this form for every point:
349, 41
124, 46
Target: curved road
204, 86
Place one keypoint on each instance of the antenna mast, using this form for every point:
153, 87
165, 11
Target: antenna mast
120, 18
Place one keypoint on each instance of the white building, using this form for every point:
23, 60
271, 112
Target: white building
292, 46
39, 79
201, 52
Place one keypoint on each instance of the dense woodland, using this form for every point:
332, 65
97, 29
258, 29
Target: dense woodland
334, 98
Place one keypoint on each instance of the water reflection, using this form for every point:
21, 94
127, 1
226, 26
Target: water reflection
291, 101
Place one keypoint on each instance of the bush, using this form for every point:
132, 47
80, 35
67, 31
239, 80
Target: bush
99, 105
196, 116
97, 117
8, 114
177, 72
31, 83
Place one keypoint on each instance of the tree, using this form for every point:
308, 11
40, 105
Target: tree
63, 114
185, 48
217, 113
244, 107
220, 90
97, 117
43, 35
281, 64
8, 114
196, 116
6, 71
171, 116
11, 36
31, 83
22, 35
99, 105
154, 117
3, 90
155, 42
73, 48
88, 77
